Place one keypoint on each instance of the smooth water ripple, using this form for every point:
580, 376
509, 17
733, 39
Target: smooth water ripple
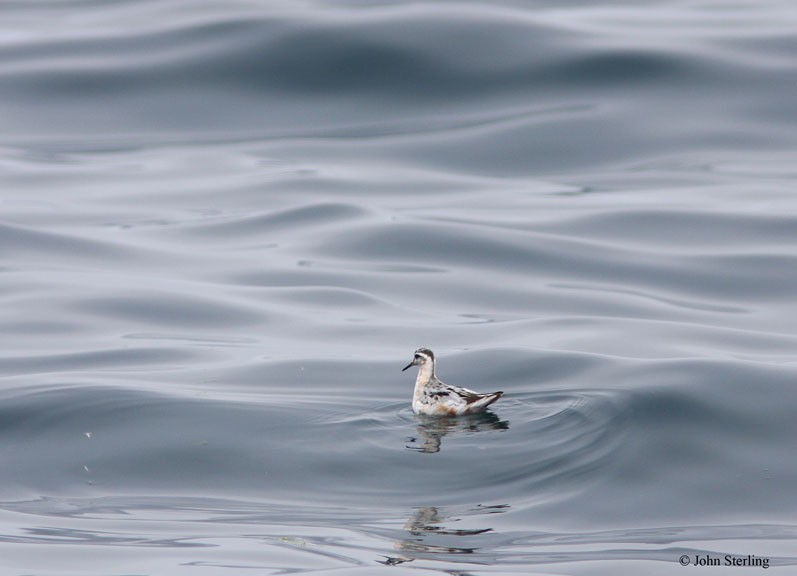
224, 228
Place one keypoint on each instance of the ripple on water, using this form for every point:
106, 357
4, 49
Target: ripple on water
291, 222
531, 445
224, 227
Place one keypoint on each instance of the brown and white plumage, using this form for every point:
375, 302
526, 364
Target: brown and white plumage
433, 397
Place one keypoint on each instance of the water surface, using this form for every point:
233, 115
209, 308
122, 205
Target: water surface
224, 228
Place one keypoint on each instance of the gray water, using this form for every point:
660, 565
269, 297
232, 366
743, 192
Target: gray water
225, 228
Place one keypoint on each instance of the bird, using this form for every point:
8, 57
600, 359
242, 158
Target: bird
433, 397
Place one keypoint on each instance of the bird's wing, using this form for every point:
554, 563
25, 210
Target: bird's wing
469, 396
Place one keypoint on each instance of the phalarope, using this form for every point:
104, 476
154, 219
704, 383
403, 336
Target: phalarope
435, 398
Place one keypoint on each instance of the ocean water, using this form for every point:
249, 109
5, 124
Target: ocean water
226, 226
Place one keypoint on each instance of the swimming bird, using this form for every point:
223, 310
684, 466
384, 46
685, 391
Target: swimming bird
435, 398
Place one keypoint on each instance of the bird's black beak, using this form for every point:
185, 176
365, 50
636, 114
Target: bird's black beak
410, 365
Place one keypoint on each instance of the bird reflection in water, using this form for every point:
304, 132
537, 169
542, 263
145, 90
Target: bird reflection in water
428, 535
431, 429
